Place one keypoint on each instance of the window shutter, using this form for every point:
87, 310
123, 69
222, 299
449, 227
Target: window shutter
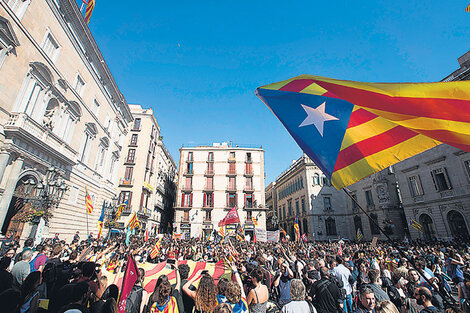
205, 200
182, 199
191, 199
447, 178
434, 181
130, 199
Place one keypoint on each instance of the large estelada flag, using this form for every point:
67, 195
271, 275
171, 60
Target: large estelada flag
230, 218
352, 129
88, 202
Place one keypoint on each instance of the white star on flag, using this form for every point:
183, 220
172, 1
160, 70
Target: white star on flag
317, 117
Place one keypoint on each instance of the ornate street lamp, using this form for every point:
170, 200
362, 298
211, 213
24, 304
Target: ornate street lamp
39, 199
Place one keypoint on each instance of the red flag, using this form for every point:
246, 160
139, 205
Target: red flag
340, 250
130, 277
146, 236
254, 238
230, 218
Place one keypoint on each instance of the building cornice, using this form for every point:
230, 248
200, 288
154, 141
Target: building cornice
71, 14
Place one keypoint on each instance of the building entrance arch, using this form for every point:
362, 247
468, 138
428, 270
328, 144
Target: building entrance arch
457, 225
12, 224
428, 226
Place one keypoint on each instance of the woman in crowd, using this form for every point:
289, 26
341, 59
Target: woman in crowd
205, 296
259, 295
162, 301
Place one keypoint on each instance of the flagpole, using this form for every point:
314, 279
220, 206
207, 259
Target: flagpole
87, 234
445, 296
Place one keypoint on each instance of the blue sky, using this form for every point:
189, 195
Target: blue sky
197, 64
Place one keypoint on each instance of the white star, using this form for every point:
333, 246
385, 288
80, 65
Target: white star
317, 117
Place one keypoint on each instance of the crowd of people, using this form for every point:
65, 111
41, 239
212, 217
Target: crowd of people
288, 276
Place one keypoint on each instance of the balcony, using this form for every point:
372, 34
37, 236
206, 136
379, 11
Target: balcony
188, 173
231, 188
144, 213
248, 189
126, 182
248, 173
187, 188
21, 125
232, 173
207, 221
159, 204
249, 160
126, 211
232, 160
209, 188
209, 173
146, 185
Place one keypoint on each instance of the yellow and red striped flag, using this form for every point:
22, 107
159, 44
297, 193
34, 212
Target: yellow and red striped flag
255, 221
156, 249
133, 222
89, 9
222, 231
467, 9
88, 203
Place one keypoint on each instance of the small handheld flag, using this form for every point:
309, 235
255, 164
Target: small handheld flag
88, 203
416, 225
304, 238
255, 221
297, 230
133, 222
222, 232
156, 249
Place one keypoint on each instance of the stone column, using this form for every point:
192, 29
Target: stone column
4, 157
12, 179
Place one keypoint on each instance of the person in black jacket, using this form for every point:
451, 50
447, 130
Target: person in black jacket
325, 294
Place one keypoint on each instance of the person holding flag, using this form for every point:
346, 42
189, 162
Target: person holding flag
297, 229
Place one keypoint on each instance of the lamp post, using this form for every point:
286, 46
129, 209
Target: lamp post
38, 199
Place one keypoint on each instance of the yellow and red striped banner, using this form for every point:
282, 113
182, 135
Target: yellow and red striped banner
153, 271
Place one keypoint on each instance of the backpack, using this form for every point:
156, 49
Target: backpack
32, 268
466, 305
134, 300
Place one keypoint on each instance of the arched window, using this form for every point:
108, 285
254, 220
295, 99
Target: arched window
324, 180
330, 225
457, 225
428, 226
33, 98
8, 40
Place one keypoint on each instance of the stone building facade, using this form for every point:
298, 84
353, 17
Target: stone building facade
138, 174
304, 191
166, 188
214, 179
272, 221
378, 194
60, 108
